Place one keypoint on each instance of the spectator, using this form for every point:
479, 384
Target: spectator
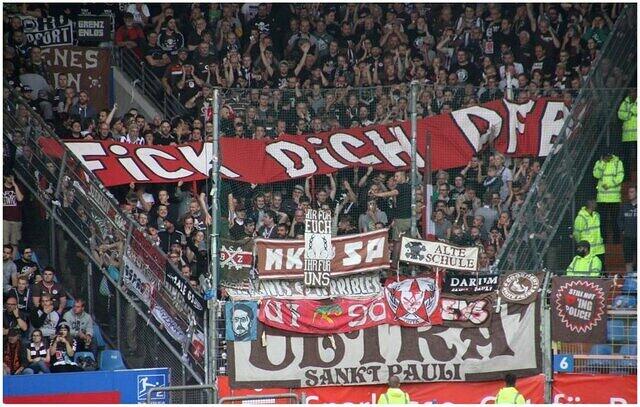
55, 290
373, 215
23, 293
61, 351
130, 36
81, 327
38, 353
170, 38
627, 222
27, 267
82, 111
11, 215
12, 317
9, 270
402, 214
45, 317
14, 355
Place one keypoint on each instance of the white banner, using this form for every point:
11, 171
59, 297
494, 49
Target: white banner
357, 285
318, 250
425, 354
138, 278
438, 254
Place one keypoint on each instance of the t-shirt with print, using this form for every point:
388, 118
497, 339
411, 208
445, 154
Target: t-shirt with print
10, 205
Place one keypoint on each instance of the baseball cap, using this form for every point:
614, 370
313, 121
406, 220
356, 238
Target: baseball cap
298, 188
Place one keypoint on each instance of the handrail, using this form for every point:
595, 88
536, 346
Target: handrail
150, 84
97, 197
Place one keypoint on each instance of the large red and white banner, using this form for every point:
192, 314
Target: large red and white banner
532, 388
514, 129
284, 259
573, 388
510, 344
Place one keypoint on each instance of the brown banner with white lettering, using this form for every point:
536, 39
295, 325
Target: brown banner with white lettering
86, 68
514, 129
511, 344
352, 254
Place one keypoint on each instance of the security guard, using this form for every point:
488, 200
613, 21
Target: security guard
609, 172
587, 227
394, 395
584, 264
628, 113
509, 394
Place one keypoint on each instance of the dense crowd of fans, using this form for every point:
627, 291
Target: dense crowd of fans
293, 69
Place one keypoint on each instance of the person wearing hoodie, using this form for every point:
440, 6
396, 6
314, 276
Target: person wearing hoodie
81, 327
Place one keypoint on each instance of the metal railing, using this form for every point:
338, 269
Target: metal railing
195, 394
292, 398
88, 215
553, 191
147, 82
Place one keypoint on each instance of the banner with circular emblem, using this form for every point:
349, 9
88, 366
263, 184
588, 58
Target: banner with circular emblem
520, 287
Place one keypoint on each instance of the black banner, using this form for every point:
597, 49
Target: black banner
183, 294
94, 28
459, 283
48, 32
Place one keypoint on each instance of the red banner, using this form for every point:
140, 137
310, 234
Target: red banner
283, 259
458, 393
570, 388
512, 128
340, 315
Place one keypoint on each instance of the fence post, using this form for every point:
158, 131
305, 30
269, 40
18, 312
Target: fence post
414, 165
90, 288
118, 319
212, 302
545, 332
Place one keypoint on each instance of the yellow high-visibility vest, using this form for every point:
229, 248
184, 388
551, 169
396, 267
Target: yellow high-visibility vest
587, 227
610, 174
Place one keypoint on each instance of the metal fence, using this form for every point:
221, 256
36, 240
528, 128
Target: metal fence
618, 355
88, 217
533, 233
146, 79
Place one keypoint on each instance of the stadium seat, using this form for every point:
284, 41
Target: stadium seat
633, 331
616, 331
630, 285
70, 302
624, 302
625, 366
97, 336
79, 355
111, 360
596, 365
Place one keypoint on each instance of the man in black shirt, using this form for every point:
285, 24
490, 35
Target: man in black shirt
27, 267
12, 317
157, 59
402, 196
467, 72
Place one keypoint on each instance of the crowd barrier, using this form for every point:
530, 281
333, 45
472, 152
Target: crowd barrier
113, 387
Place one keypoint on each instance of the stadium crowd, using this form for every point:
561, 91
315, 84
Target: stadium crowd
292, 69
